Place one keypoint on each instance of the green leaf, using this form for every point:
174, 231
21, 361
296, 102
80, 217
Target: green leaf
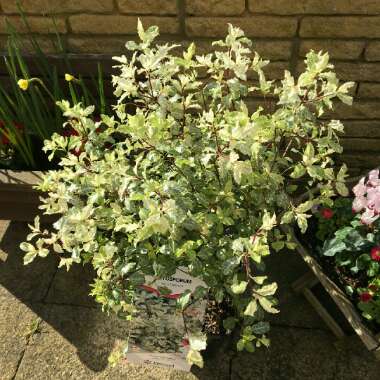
198, 342
267, 305
278, 245
239, 287
267, 290
260, 328
230, 264
298, 172
333, 246
268, 221
229, 323
251, 308
240, 345
29, 257
184, 300
137, 279
342, 189
27, 247
241, 168
194, 357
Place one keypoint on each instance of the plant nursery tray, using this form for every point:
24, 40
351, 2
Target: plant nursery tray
19, 201
368, 337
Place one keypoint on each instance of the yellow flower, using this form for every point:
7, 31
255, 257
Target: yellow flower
23, 84
69, 77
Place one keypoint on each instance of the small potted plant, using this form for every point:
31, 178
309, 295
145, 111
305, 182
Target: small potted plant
343, 249
193, 179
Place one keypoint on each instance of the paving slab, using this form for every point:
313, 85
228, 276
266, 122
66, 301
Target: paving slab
75, 338
26, 282
285, 268
72, 287
15, 322
300, 354
77, 347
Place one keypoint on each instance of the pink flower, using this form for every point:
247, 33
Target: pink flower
373, 178
360, 189
367, 197
327, 213
359, 203
375, 253
368, 217
365, 297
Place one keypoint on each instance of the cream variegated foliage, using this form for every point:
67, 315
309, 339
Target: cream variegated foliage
192, 178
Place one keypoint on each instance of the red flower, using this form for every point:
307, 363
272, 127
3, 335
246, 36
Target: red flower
375, 253
327, 213
365, 297
69, 132
19, 126
4, 138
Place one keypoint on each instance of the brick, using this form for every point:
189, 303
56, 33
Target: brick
38, 24
273, 50
369, 90
160, 7
337, 49
358, 71
361, 160
359, 110
356, 27
352, 71
215, 7
275, 70
257, 26
372, 52
118, 24
58, 6
363, 128
360, 145
104, 45
286, 7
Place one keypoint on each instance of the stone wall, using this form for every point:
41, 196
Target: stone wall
283, 31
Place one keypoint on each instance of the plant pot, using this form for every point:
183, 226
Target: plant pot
368, 337
157, 334
19, 201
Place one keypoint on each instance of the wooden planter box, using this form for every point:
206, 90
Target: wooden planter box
370, 340
18, 200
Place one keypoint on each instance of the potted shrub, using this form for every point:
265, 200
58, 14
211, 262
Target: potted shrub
342, 247
192, 179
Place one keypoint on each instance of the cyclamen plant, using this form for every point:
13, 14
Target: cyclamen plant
367, 197
193, 178
355, 245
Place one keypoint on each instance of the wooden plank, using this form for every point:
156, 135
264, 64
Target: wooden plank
21, 178
339, 297
323, 313
308, 280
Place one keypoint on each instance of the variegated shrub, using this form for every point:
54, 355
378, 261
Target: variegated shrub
192, 178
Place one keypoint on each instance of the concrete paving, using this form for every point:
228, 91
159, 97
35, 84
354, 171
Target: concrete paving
51, 329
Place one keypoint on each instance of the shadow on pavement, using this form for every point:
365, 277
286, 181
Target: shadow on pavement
59, 298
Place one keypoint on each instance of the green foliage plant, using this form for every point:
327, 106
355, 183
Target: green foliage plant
193, 178
355, 246
31, 116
